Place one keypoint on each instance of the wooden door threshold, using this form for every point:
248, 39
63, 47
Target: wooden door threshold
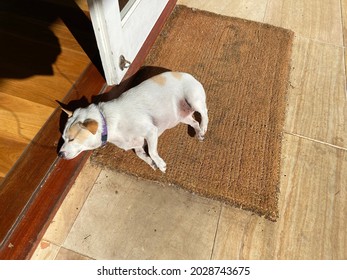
34, 189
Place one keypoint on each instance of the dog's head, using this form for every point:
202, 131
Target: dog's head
81, 133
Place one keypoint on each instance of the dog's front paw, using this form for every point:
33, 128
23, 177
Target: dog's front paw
161, 165
162, 168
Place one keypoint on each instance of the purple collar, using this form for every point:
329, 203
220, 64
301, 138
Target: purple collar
104, 129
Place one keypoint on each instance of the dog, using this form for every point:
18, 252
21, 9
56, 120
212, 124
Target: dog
138, 117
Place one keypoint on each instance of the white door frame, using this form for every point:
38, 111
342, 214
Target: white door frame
117, 37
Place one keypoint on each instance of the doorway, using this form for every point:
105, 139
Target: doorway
121, 28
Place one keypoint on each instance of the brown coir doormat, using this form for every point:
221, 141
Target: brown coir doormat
244, 67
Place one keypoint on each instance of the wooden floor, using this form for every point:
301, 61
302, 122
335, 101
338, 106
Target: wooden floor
40, 62
112, 216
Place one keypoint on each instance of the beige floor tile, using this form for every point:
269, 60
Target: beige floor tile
315, 19
247, 9
313, 210
317, 100
243, 235
126, 218
45, 251
70, 208
65, 254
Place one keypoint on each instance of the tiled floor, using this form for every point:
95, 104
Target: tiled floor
112, 216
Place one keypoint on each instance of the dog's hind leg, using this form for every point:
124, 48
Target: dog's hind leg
189, 120
204, 119
197, 101
152, 142
141, 153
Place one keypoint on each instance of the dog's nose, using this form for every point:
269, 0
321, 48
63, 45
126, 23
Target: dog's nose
61, 154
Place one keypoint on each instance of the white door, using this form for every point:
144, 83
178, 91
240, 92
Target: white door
120, 35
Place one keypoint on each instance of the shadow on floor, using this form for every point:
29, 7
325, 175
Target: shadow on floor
28, 45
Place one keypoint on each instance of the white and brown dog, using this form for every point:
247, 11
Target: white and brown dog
138, 117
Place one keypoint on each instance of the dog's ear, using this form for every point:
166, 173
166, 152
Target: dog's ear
91, 125
69, 113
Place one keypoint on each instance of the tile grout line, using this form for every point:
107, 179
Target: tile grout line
266, 6
343, 43
342, 24
215, 235
316, 141
300, 36
73, 251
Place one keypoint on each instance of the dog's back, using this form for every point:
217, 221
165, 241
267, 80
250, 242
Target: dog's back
165, 98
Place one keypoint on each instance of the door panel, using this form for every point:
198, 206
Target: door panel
123, 34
